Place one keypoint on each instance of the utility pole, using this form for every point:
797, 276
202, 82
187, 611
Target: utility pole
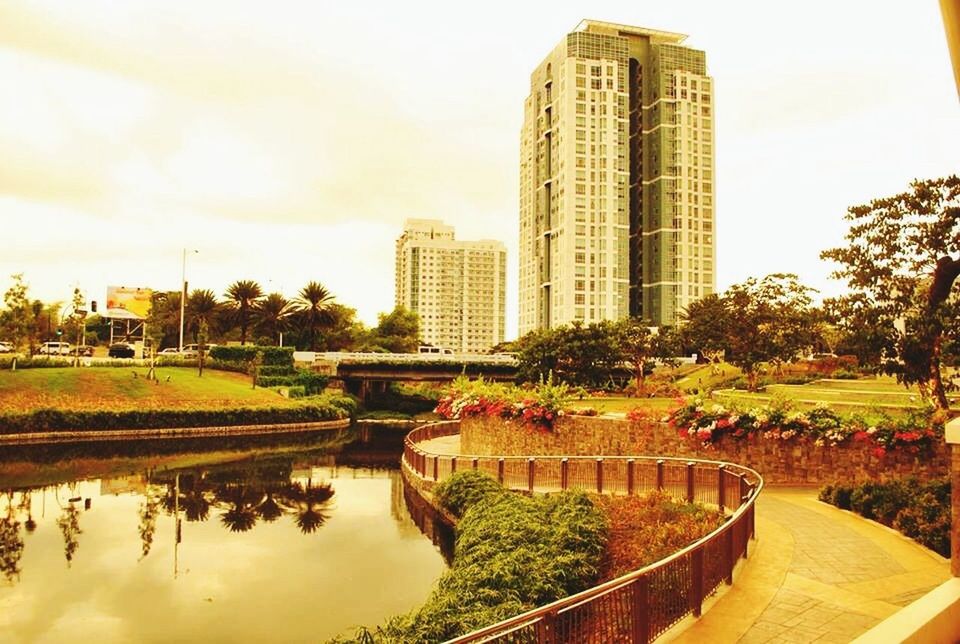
183, 294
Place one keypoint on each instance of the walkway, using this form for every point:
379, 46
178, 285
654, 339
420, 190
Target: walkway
815, 574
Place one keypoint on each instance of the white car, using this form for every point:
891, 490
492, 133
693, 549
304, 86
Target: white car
169, 351
6, 347
55, 348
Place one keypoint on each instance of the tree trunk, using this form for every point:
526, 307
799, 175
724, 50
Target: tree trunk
751, 380
938, 392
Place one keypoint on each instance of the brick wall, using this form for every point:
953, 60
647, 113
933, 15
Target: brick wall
779, 462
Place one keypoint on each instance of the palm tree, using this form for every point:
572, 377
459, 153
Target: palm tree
201, 306
272, 315
314, 302
244, 298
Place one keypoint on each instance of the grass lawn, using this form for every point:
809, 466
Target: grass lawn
622, 403
843, 395
92, 388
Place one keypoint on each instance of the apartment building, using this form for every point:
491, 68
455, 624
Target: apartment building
616, 179
458, 288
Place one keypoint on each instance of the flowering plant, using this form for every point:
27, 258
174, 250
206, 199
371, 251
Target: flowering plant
707, 422
538, 407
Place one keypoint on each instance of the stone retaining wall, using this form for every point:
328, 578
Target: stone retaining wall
779, 462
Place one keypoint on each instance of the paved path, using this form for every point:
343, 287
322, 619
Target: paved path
815, 573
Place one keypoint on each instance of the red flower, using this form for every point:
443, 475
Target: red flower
723, 423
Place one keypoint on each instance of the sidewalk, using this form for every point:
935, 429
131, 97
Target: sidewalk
815, 573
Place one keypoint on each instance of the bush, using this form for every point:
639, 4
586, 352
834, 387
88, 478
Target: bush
246, 354
310, 381
844, 374
274, 370
43, 420
921, 512
513, 553
460, 492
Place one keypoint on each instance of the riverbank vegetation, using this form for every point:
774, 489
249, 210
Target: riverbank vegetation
95, 388
515, 552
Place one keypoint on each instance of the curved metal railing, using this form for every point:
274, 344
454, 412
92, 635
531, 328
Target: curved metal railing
641, 605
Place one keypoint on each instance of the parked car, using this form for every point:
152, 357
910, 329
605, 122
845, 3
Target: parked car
6, 347
190, 350
169, 351
121, 350
55, 349
82, 351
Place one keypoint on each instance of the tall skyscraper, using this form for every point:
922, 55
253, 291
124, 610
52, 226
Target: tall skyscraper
458, 288
616, 179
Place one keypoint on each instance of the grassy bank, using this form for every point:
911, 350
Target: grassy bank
93, 398
99, 388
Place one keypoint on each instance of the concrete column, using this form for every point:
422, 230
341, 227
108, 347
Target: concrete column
953, 440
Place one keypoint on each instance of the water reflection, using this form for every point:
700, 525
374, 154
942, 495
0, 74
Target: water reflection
155, 544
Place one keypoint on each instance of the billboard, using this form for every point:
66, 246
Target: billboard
132, 300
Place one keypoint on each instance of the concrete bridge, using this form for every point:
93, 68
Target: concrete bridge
364, 374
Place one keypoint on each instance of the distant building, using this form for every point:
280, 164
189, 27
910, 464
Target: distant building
616, 179
458, 288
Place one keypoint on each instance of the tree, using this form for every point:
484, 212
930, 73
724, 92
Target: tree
272, 317
577, 354
163, 322
902, 260
17, 320
767, 320
314, 311
344, 332
705, 327
641, 342
202, 307
243, 299
396, 332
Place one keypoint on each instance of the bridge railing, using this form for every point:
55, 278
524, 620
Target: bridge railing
407, 358
641, 605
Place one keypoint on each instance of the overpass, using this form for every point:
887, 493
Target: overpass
366, 373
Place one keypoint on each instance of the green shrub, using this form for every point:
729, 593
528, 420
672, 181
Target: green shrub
513, 553
275, 370
246, 354
310, 381
921, 512
927, 520
313, 409
844, 374
841, 497
460, 492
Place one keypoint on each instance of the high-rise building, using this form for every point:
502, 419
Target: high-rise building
458, 288
616, 179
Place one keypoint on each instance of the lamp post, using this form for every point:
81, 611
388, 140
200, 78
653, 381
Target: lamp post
183, 293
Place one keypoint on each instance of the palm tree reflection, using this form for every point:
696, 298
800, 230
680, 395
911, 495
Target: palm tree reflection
247, 494
310, 503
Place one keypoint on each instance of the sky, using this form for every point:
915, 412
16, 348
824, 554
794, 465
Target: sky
288, 141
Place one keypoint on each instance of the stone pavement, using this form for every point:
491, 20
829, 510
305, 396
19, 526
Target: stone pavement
815, 573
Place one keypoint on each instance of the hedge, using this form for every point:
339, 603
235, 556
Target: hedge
919, 511
246, 354
41, 420
311, 382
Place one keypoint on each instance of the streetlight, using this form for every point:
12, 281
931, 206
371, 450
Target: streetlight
183, 294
